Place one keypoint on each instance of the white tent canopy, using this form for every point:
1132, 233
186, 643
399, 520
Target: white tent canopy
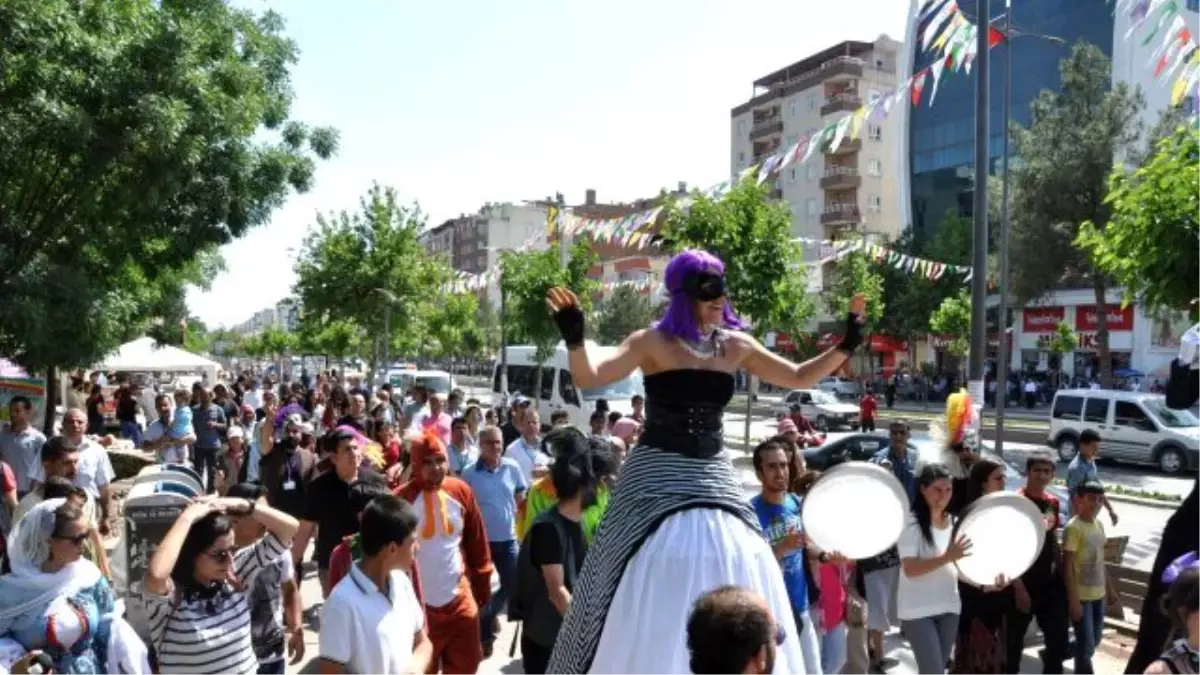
144, 355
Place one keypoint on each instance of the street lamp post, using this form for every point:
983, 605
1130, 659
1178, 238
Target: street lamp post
980, 230
1004, 349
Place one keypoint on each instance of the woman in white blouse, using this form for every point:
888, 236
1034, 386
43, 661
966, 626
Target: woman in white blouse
927, 601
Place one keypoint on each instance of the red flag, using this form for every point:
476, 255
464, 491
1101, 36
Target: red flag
995, 37
918, 83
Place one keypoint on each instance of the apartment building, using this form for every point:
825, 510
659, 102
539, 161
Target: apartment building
852, 189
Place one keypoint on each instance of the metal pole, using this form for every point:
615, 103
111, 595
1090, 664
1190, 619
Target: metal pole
564, 251
387, 340
979, 258
503, 341
1004, 349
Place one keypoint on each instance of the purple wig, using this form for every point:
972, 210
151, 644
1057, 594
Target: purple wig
680, 319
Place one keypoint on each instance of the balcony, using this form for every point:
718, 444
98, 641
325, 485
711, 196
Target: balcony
841, 214
776, 193
848, 146
840, 178
847, 102
770, 125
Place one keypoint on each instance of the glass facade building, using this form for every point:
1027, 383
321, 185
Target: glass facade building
941, 136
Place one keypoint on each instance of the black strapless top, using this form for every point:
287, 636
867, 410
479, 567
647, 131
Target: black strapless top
684, 410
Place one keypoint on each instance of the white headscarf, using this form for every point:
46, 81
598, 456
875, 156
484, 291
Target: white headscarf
28, 589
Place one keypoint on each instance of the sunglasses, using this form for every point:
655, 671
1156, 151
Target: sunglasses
222, 556
77, 539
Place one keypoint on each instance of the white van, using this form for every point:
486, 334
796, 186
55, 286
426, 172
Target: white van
558, 392
436, 381
1134, 427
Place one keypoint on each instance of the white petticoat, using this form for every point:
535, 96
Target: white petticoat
693, 551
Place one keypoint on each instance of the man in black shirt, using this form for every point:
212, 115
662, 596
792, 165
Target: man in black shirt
327, 505
512, 428
1041, 593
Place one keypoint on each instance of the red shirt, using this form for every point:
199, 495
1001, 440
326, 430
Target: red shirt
867, 407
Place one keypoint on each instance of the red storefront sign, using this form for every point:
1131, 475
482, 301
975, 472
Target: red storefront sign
1119, 319
877, 343
941, 342
783, 342
1043, 319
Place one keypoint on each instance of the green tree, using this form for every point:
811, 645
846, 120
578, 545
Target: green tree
952, 319
131, 142
1062, 180
1149, 243
851, 274
763, 263
624, 311
452, 327
488, 320
525, 277
338, 340
1063, 340
368, 269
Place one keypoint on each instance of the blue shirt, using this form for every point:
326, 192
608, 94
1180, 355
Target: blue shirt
496, 492
902, 469
207, 438
778, 521
1079, 471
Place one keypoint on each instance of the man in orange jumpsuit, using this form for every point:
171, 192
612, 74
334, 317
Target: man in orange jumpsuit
453, 557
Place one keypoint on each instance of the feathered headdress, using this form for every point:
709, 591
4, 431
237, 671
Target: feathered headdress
957, 427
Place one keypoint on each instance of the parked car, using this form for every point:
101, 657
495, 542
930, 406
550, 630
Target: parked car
822, 407
1134, 427
840, 387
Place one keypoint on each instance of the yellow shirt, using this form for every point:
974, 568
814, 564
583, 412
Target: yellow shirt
1085, 540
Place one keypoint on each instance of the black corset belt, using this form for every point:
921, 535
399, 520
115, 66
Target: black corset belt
689, 430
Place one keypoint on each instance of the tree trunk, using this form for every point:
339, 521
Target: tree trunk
51, 401
1102, 351
536, 394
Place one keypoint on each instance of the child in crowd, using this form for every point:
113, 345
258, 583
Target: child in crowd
181, 419
57, 487
1083, 565
1180, 605
362, 493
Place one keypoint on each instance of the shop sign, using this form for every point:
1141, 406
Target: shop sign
941, 342
1088, 342
1119, 318
1042, 319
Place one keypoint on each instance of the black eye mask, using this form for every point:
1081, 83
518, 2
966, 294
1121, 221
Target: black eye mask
704, 286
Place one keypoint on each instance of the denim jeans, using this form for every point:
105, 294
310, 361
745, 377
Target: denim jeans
931, 638
504, 557
833, 649
133, 432
1087, 634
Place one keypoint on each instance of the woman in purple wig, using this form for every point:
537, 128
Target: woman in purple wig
678, 523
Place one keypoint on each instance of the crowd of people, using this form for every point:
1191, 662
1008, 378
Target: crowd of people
628, 547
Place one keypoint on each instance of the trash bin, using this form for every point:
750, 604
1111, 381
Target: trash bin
158, 496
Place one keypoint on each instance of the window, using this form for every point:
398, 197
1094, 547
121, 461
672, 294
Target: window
791, 140
521, 380
566, 388
793, 108
873, 95
812, 101
1193, 5
874, 203
1067, 408
875, 167
741, 127
1096, 411
741, 157
792, 175
875, 131
1130, 414
791, 398
812, 172
811, 207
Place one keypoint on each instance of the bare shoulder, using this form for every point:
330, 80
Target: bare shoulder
741, 345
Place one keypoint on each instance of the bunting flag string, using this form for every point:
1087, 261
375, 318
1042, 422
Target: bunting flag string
1177, 57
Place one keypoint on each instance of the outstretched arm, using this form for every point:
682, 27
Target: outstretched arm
588, 371
783, 373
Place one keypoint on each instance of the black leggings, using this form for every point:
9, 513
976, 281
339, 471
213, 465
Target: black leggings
535, 659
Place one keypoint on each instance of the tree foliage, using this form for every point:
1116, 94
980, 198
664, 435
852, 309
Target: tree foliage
952, 319
452, 328
854, 273
764, 273
525, 277
355, 268
1062, 180
1063, 340
1149, 244
908, 301
488, 320
337, 339
621, 313
131, 141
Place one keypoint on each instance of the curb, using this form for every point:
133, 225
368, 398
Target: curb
1144, 501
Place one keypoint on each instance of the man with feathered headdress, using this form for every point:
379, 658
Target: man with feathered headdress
453, 558
957, 437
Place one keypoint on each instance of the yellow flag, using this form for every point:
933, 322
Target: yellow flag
1178, 89
856, 121
552, 220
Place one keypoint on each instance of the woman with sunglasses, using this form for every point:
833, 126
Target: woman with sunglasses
679, 522
197, 581
53, 600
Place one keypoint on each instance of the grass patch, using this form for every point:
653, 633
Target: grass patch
1133, 492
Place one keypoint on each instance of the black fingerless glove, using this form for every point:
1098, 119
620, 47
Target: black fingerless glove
570, 325
853, 337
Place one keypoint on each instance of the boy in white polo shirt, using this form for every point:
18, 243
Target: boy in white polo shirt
372, 622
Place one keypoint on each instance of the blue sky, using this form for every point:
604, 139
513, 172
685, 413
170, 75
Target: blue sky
459, 103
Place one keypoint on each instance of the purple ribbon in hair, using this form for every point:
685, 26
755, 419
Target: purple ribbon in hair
1185, 562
